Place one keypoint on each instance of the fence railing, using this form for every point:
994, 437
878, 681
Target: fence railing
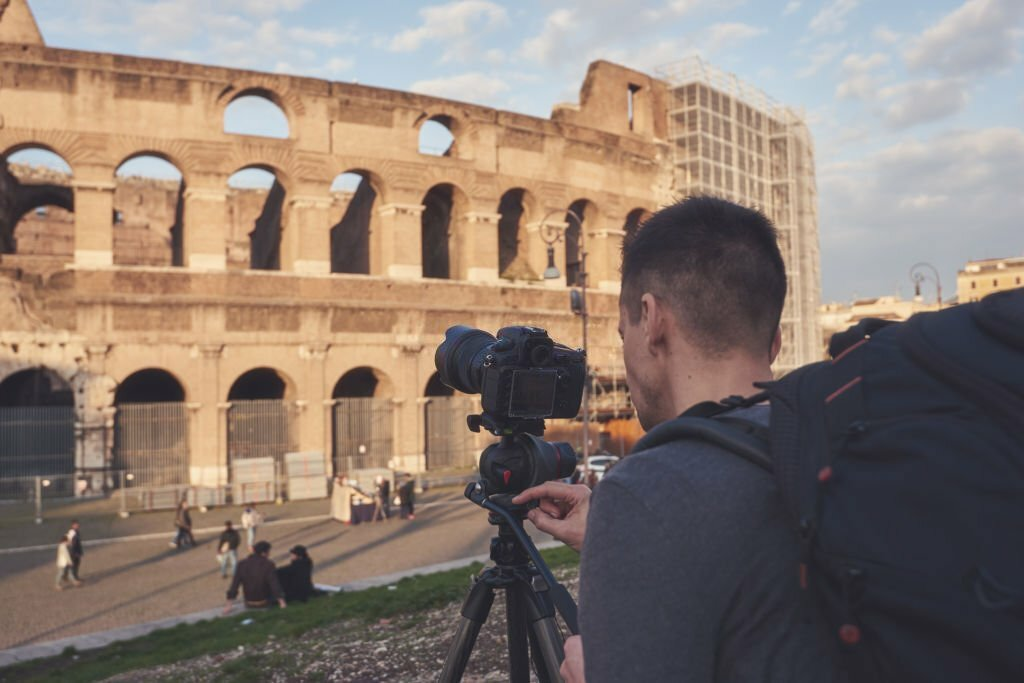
362, 429
36, 441
450, 444
151, 441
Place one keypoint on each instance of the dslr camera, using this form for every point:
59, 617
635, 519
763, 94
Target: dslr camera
523, 377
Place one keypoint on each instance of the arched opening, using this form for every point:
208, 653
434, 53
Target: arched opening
634, 219
149, 207
585, 210
37, 432
513, 261
363, 420
353, 197
443, 206
261, 429
151, 430
37, 204
256, 200
256, 112
448, 443
437, 136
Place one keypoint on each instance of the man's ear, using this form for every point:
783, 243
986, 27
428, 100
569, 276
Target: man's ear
653, 321
776, 346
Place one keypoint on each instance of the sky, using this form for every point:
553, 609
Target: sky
916, 106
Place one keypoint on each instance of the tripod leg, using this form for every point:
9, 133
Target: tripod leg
474, 613
516, 610
538, 615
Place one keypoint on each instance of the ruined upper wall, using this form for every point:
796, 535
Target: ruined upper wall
17, 25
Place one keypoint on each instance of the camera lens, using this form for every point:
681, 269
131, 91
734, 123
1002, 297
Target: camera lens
553, 460
459, 359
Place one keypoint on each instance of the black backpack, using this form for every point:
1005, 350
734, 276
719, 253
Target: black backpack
901, 461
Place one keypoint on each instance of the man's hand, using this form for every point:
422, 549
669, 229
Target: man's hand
572, 665
281, 603
561, 512
227, 608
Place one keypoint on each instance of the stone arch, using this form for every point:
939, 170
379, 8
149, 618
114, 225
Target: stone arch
150, 385
435, 387
444, 210
438, 135
256, 218
357, 206
35, 387
140, 237
249, 97
43, 233
37, 417
262, 383
364, 382
151, 429
516, 207
587, 212
634, 219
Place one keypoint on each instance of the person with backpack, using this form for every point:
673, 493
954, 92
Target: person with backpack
688, 567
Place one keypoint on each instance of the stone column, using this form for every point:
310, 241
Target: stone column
408, 426
207, 438
604, 253
314, 435
94, 220
395, 249
306, 242
94, 418
476, 243
205, 229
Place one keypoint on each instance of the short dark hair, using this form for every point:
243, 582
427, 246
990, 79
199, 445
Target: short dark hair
718, 267
261, 547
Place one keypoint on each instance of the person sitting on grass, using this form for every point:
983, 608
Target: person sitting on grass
297, 577
257, 577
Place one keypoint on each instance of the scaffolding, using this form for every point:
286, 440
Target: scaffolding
731, 140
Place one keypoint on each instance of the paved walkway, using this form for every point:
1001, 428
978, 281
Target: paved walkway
137, 584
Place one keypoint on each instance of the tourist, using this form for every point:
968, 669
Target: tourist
227, 549
256, 575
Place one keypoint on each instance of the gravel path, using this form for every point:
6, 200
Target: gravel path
133, 582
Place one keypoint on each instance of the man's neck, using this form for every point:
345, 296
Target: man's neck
713, 380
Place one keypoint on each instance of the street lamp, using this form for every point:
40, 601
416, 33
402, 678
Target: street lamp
917, 277
578, 302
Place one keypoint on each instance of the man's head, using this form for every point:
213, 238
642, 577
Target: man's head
703, 277
299, 551
74, 524
261, 548
227, 525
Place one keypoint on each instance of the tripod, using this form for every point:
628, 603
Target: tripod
530, 595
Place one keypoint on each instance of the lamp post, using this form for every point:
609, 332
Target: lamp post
578, 302
917, 277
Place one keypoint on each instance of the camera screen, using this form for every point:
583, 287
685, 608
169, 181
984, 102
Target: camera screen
533, 393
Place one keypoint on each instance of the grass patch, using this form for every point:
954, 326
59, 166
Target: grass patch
186, 641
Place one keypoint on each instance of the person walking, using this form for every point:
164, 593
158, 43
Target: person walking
407, 498
227, 550
183, 522
251, 518
382, 498
65, 567
76, 550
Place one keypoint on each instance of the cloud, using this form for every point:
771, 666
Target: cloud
824, 54
923, 101
558, 26
456, 25
791, 6
860, 83
886, 35
832, 17
469, 87
728, 35
944, 200
979, 37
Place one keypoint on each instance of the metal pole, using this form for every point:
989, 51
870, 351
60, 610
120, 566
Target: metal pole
586, 360
123, 513
39, 499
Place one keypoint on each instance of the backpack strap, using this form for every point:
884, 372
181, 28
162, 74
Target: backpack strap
749, 440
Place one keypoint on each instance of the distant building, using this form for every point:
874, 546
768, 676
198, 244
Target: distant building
978, 279
836, 317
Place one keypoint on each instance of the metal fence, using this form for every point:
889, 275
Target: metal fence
151, 444
261, 429
449, 443
36, 441
363, 433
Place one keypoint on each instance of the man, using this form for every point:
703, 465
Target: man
382, 499
76, 550
297, 576
689, 564
257, 577
183, 522
227, 549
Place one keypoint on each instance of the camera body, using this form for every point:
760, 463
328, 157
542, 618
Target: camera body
527, 376
520, 375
